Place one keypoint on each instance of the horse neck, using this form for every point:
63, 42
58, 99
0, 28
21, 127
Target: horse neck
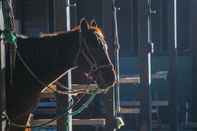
48, 57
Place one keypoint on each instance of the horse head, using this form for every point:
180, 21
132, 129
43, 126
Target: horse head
93, 55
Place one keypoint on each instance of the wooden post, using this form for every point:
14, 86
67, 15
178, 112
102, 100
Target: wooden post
144, 38
173, 116
2, 73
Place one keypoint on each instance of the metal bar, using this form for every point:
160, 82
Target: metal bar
2, 73
144, 38
137, 103
173, 64
117, 61
68, 24
62, 124
60, 103
78, 122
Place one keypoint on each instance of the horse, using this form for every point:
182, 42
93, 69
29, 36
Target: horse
47, 57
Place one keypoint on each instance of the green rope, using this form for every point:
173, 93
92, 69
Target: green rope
84, 106
9, 36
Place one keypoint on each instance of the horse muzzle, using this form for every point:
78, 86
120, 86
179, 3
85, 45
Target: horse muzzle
105, 77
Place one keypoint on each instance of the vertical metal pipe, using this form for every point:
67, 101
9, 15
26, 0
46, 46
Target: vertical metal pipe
175, 24
68, 15
149, 42
69, 117
2, 73
65, 124
145, 48
173, 64
117, 61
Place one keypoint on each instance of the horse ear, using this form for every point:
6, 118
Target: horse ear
84, 26
93, 23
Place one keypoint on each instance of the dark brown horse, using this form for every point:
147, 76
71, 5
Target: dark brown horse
50, 56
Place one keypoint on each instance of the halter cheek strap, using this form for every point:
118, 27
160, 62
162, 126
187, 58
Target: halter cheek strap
85, 51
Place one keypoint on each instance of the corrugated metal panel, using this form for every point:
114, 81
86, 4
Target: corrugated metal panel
60, 15
35, 17
90, 9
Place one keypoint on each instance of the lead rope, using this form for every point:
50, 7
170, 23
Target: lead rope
74, 113
55, 82
40, 81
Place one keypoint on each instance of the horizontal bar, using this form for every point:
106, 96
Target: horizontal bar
76, 122
137, 103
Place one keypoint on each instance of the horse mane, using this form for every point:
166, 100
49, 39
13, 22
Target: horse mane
74, 29
42, 35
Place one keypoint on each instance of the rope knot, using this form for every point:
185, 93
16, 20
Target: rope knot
9, 36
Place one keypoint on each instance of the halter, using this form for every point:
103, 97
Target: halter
89, 57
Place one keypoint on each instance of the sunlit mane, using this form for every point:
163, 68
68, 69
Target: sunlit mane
76, 28
96, 29
99, 31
